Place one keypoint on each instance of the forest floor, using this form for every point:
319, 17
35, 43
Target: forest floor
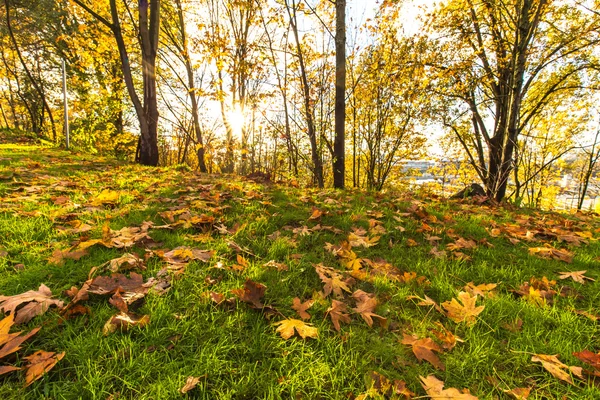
161, 277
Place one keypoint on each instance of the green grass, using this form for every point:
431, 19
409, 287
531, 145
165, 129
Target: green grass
235, 349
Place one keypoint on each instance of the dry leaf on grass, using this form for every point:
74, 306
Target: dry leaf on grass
190, 383
30, 304
337, 313
365, 305
577, 276
435, 389
124, 321
465, 312
288, 326
484, 290
302, 307
552, 253
251, 293
519, 393
332, 280
39, 363
424, 349
557, 368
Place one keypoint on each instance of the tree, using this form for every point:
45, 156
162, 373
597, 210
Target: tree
146, 108
499, 64
339, 161
176, 32
317, 163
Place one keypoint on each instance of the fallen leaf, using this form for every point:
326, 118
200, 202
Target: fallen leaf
484, 290
316, 214
337, 313
105, 285
577, 276
287, 327
251, 293
124, 321
302, 307
552, 253
378, 386
11, 342
276, 265
465, 312
190, 383
424, 349
58, 256
39, 363
30, 304
447, 338
106, 197
332, 280
131, 261
557, 368
365, 305
589, 357
435, 389
519, 393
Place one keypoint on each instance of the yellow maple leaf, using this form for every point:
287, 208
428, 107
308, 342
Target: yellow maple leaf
287, 326
465, 312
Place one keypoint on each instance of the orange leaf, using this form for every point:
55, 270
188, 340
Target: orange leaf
302, 307
424, 349
465, 312
287, 327
435, 389
40, 362
557, 368
337, 313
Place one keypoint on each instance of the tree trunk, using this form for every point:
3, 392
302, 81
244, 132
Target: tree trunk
339, 157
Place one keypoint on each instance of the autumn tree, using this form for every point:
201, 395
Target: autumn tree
498, 64
146, 107
385, 115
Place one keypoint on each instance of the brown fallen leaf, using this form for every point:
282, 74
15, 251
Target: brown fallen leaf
39, 363
427, 301
484, 290
276, 265
332, 280
190, 383
465, 312
58, 256
124, 321
552, 253
365, 305
577, 276
126, 262
519, 393
435, 389
337, 313
30, 304
105, 285
251, 293
557, 368
447, 338
590, 358
287, 326
302, 307
424, 349
11, 342
378, 386
316, 214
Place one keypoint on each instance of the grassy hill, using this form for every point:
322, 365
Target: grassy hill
209, 267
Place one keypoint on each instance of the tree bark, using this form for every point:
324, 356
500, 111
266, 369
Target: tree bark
339, 150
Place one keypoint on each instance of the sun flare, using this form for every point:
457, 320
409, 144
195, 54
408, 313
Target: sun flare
236, 121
